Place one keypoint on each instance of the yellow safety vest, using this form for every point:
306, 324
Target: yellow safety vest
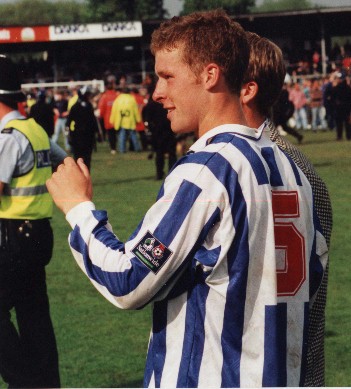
26, 197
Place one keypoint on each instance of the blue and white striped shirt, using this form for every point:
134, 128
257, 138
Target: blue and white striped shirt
230, 255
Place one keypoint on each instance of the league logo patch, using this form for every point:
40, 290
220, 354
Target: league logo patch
151, 252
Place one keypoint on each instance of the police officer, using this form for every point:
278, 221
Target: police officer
28, 352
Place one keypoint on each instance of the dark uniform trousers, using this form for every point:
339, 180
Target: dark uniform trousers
28, 352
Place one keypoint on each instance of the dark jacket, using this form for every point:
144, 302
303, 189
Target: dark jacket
341, 99
82, 125
43, 114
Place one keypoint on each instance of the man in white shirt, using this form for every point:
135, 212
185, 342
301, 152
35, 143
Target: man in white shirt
213, 254
263, 83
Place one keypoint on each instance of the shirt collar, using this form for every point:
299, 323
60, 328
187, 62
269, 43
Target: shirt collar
236, 129
8, 117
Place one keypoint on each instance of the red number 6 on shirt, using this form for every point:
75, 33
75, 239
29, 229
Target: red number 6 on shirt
290, 242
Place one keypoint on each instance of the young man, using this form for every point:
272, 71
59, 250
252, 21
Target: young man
211, 254
263, 83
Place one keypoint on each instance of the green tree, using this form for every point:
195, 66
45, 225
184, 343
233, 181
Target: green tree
283, 5
233, 7
33, 12
111, 10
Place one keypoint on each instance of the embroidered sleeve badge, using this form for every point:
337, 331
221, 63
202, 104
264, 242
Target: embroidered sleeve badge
151, 252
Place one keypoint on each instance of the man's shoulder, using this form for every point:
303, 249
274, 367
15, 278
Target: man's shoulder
8, 130
15, 132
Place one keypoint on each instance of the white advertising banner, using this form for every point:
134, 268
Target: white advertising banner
95, 31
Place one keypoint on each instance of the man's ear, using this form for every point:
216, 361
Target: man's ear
211, 74
248, 92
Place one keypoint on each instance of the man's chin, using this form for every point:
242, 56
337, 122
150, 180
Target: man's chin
178, 130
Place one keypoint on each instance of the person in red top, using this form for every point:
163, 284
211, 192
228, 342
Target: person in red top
105, 106
140, 96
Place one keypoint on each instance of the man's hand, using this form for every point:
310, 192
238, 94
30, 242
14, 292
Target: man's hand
70, 184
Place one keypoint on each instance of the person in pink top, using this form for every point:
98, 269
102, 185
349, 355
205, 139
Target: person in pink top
105, 106
298, 97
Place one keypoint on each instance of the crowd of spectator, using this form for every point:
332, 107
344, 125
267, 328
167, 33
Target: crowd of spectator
123, 115
125, 118
322, 103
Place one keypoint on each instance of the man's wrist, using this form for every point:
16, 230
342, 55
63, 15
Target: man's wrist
77, 212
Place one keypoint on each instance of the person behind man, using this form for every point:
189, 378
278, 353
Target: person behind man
299, 99
124, 118
282, 110
28, 352
316, 93
73, 97
61, 108
228, 252
141, 97
43, 113
263, 81
105, 106
327, 103
83, 127
341, 103
163, 139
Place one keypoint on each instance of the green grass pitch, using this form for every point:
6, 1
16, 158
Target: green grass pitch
101, 346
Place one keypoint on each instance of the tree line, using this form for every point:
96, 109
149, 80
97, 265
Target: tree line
41, 12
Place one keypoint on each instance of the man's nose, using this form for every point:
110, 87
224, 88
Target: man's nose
158, 95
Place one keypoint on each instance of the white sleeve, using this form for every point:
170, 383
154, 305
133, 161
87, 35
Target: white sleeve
10, 153
132, 274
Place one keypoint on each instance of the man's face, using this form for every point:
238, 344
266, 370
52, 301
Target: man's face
178, 90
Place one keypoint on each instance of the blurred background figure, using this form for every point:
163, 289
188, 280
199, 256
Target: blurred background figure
329, 112
317, 108
105, 106
73, 97
162, 137
298, 97
282, 111
83, 127
43, 113
124, 117
341, 103
30, 100
140, 95
61, 108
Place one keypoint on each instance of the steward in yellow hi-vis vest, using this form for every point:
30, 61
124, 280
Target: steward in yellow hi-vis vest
28, 351
26, 197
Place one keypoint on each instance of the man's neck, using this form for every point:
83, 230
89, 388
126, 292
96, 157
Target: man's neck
225, 110
253, 118
4, 110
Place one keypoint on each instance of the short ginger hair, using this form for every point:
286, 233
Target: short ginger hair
206, 37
